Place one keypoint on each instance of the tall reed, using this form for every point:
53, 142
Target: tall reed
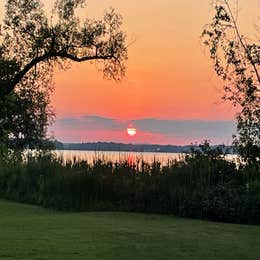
202, 185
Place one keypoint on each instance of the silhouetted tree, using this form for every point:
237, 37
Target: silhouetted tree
236, 61
32, 45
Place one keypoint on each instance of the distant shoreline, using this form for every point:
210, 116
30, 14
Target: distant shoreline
122, 147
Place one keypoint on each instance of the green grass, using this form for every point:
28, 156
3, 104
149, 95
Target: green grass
29, 232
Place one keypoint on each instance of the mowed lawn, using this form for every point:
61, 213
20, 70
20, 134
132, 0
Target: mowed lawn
29, 232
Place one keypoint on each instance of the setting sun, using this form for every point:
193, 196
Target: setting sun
131, 131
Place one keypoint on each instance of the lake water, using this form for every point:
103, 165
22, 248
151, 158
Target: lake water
148, 157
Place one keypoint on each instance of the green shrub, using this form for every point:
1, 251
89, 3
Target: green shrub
203, 185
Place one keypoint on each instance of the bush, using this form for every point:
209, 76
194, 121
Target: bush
203, 185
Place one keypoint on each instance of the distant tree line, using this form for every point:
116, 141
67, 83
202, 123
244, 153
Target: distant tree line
155, 148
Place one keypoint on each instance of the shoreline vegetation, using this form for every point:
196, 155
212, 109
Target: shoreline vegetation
204, 185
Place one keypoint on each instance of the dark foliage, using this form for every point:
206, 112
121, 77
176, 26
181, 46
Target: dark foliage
204, 185
236, 61
32, 45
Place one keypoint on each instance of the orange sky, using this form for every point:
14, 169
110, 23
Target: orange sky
169, 75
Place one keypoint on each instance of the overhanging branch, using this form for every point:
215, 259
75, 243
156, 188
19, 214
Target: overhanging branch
51, 55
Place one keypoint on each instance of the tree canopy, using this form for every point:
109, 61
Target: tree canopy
32, 46
237, 61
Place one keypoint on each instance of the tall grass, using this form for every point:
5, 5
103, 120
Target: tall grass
202, 185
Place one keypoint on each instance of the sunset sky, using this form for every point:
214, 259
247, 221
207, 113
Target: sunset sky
170, 93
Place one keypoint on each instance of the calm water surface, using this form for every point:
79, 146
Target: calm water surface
118, 156
148, 157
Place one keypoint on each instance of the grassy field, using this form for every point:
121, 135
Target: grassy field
28, 232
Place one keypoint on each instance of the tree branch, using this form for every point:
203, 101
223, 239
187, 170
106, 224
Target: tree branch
241, 41
86, 58
51, 55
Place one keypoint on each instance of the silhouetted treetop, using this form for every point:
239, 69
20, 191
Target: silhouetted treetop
32, 44
29, 38
236, 61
